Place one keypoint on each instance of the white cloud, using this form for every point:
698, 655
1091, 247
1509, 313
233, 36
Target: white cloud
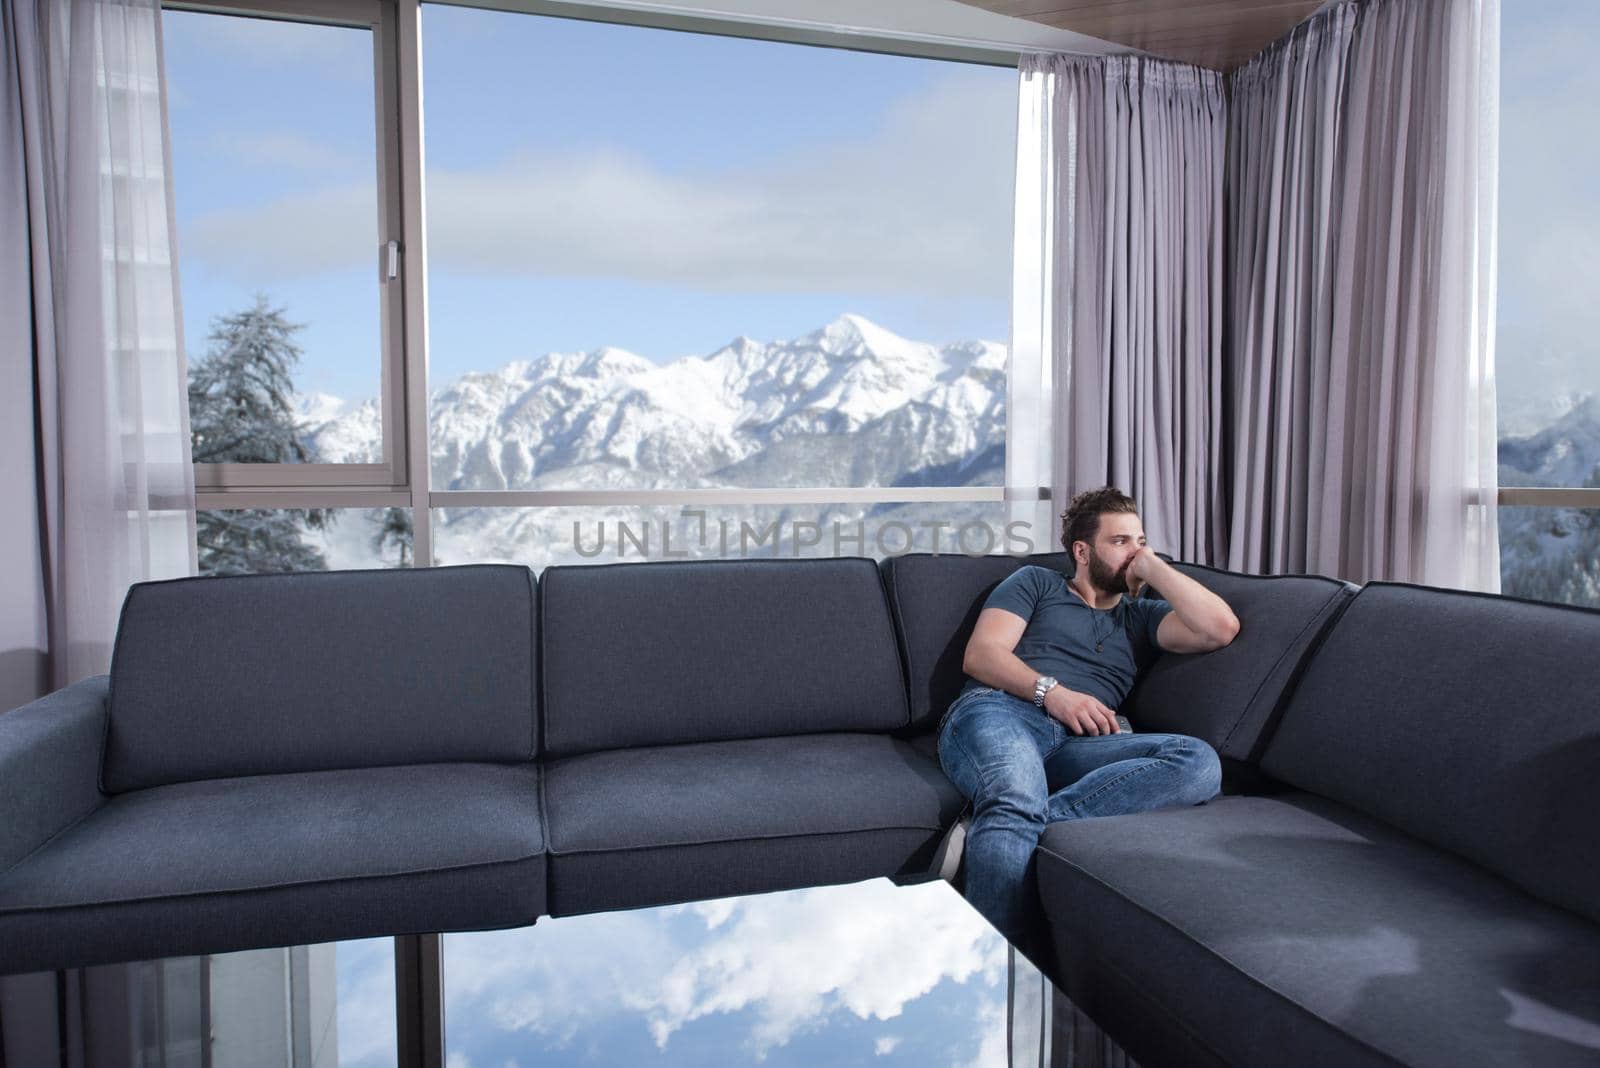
715, 913
793, 960
554, 979
334, 227
885, 1045
796, 959
922, 207
991, 1027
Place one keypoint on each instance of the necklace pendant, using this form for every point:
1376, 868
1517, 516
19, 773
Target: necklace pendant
1100, 648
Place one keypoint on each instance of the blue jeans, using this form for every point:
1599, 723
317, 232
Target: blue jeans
1021, 769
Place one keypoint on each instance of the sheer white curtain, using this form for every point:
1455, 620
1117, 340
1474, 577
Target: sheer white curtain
1464, 548
94, 372
1035, 233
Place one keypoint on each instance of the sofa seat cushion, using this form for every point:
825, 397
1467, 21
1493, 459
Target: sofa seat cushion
1293, 929
274, 860
658, 825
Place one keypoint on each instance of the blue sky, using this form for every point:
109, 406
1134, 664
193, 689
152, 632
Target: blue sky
589, 185
603, 185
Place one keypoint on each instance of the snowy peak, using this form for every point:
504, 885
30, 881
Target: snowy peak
1565, 453
852, 334
812, 410
608, 362
313, 409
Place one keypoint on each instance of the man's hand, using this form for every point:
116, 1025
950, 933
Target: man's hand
1138, 568
1079, 712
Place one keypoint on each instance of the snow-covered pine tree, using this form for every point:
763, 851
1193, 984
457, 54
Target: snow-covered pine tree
394, 526
253, 541
240, 411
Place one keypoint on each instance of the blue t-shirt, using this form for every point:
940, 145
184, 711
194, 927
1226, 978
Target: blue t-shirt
1091, 650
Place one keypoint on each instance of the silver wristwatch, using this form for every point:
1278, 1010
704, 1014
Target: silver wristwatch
1041, 686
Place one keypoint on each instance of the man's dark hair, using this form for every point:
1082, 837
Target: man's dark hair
1081, 520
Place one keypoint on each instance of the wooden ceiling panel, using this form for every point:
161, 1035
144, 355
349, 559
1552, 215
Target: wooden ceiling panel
1220, 34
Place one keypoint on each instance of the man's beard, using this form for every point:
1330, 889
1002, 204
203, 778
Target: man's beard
1103, 578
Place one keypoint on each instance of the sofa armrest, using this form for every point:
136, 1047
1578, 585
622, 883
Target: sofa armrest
50, 765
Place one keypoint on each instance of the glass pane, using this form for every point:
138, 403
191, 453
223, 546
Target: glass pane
1549, 306
274, 157
539, 537
638, 278
869, 973
249, 541
364, 973
330, 1004
322, 1006
1551, 554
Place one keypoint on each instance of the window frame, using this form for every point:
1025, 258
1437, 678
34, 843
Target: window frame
403, 480
381, 484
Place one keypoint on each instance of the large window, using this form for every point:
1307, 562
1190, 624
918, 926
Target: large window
666, 259
665, 271
1548, 345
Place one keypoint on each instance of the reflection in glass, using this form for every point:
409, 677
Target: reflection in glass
869, 973
321, 1006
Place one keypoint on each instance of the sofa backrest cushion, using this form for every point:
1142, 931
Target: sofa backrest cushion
709, 650
936, 600
1467, 720
260, 674
1231, 697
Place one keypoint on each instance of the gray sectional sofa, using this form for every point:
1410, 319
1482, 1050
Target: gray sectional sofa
1405, 869
1424, 887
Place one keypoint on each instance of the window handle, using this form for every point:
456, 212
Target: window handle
393, 270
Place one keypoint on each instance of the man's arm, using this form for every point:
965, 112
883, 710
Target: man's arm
991, 660
1199, 622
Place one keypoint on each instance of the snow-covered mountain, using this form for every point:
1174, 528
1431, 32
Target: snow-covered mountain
851, 404
1566, 452
1553, 553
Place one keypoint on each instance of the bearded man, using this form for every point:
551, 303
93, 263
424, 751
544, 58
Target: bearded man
1034, 736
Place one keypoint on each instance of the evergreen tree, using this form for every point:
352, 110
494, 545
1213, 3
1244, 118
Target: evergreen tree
240, 411
394, 525
253, 541
1553, 554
